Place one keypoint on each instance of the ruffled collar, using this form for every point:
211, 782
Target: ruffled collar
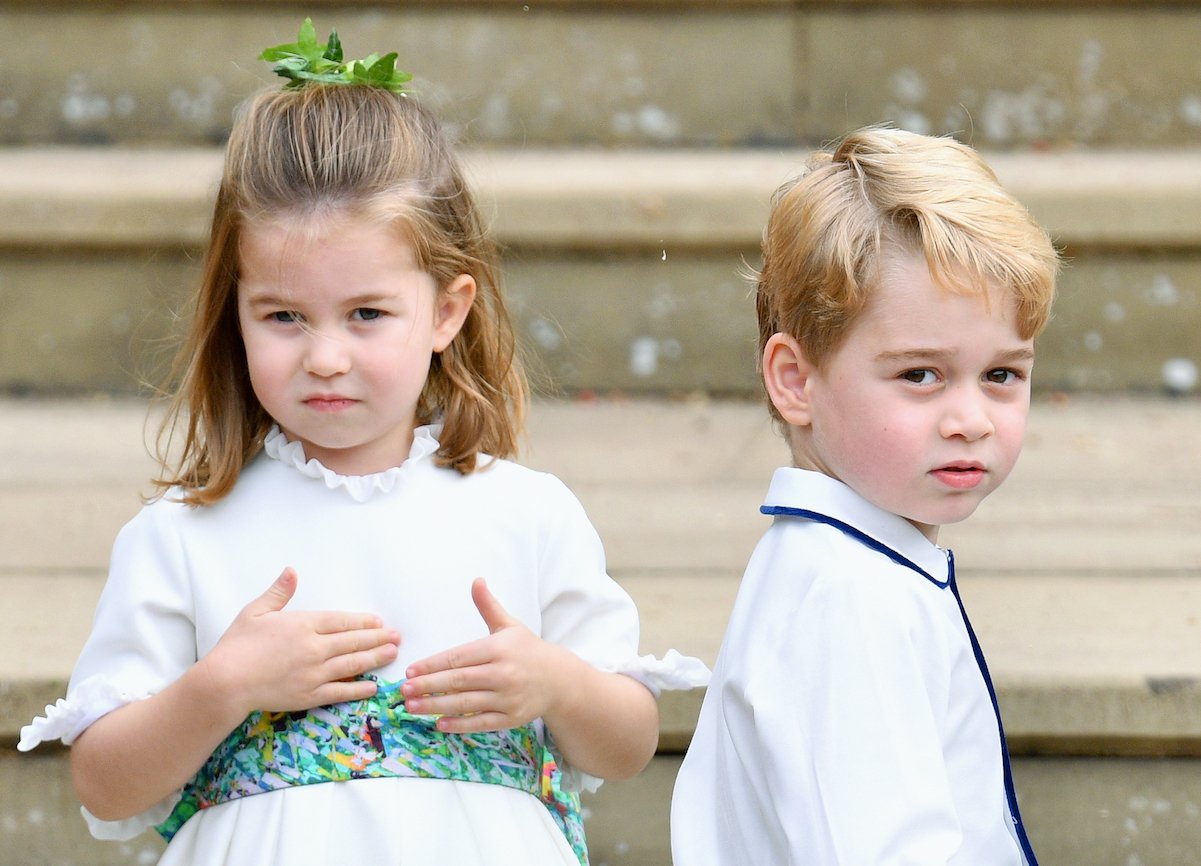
360, 487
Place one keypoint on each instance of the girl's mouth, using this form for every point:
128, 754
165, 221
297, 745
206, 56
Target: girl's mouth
330, 403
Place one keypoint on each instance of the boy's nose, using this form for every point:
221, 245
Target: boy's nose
326, 355
966, 415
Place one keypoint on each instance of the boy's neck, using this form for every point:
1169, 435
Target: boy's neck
804, 457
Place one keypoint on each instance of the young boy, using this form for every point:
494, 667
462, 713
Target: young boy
851, 719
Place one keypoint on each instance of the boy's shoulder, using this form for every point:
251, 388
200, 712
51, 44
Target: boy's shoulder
828, 549
835, 522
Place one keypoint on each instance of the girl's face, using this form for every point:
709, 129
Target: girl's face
340, 326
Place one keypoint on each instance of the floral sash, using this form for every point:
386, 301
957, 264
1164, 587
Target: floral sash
370, 739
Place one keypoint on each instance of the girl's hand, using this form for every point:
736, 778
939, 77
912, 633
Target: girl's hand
502, 681
276, 660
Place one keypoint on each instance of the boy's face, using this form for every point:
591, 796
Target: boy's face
922, 408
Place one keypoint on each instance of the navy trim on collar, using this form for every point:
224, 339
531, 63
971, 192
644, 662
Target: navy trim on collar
857, 534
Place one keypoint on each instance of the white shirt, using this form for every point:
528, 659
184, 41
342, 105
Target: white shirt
848, 720
404, 544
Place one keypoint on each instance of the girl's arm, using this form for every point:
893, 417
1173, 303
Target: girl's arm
268, 659
604, 724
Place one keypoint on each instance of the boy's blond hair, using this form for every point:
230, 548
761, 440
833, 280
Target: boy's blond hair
311, 153
880, 189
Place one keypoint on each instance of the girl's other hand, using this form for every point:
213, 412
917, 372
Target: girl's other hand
277, 660
501, 681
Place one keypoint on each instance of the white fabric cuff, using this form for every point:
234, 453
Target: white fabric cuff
69, 717
672, 672
120, 831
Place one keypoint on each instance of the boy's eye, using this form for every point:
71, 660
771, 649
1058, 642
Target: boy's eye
367, 314
1002, 376
919, 377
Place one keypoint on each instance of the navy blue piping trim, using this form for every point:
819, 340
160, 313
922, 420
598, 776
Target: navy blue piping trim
860, 536
868, 541
1010, 790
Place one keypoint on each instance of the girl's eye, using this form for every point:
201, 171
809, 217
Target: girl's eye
367, 314
285, 317
1002, 376
919, 377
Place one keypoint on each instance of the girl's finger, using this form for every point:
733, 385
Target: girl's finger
339, 692
277, 596
494, 614
458, 704
342, 667
474, 724
334, 621
466, 655
346, 642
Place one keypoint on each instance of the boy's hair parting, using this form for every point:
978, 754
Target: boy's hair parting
322, 150
879, 189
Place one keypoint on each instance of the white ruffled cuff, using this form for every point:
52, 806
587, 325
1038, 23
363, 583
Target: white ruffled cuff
673, 672
69, 717
121, 831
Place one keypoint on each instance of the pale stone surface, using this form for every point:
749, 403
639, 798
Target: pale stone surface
624, 269
1002, 75
587, 198
1005, 75
1080, 573
496, 72
1078, 811
672, 319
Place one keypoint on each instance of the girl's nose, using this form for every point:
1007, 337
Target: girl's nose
966, 415
326, 355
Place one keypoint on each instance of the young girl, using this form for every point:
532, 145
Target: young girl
349, 388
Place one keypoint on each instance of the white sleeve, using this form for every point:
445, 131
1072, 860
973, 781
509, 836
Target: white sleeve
586, 611
855, 711
143, 638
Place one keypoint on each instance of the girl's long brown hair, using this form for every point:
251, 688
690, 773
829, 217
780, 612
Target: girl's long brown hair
363, 151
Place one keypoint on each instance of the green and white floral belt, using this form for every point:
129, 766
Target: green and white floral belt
370, 739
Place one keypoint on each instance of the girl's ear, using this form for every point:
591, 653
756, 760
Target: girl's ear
452, 306
786, 376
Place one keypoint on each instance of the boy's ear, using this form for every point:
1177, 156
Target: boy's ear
786, 375
451, 308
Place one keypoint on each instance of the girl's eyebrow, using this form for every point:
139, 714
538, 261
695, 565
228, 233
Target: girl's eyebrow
265, 299
270, 299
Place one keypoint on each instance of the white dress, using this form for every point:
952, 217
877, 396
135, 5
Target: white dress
849, 720
405, 544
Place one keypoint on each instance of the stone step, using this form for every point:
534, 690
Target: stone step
1007, 74
622, 266
1082, 570
1100, 812
1082, 576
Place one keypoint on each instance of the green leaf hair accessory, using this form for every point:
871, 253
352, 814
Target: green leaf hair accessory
307, 60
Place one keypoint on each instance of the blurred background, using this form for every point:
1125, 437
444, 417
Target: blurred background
625, 152
623, 254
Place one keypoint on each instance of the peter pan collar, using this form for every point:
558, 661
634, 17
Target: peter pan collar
814, 496
360, 487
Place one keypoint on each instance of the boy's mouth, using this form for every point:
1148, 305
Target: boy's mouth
960, 476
